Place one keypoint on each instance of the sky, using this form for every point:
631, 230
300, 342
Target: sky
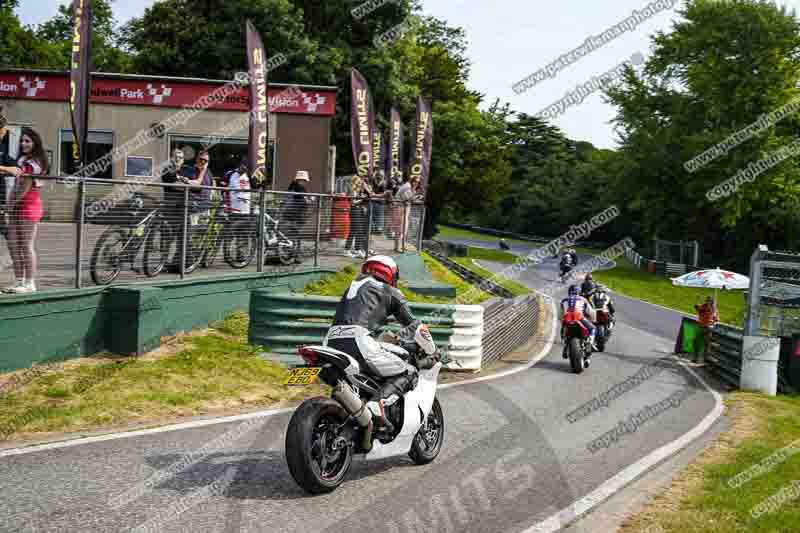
508, 40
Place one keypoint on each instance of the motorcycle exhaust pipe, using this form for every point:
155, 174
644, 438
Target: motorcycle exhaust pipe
357, 408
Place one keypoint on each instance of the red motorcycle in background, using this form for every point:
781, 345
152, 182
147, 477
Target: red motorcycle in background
575, 337
603, 320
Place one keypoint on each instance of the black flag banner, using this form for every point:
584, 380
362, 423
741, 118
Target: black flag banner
395, 156
423, 144
80, 78
259, 106
377, 152
362, 125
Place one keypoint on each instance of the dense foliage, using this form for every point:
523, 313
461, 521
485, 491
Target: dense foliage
716, 71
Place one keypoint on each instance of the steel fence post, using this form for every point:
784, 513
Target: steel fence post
403, 228
80, 235
260, 231
185, 231
319, 227
369, 227
421, 228
753, 323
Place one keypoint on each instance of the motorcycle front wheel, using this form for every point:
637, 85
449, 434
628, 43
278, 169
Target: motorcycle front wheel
576, 355
430, 437
318, 456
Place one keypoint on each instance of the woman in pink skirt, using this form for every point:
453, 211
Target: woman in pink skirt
26, 211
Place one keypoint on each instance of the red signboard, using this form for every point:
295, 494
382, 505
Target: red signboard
165, 93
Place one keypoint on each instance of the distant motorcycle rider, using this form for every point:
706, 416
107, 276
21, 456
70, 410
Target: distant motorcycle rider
568, 261
575, 303
364, 308
588, 286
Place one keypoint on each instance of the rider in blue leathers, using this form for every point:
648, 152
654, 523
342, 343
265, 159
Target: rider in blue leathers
575, 302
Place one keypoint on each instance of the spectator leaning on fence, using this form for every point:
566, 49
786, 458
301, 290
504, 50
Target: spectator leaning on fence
707, 317
26, 211
356, 244
297, 208
395, 217
173, 207
407, 193
239, 193
8, 172
380, 191
204, 176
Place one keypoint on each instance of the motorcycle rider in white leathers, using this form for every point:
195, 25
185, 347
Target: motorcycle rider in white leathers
602, 302
364, 308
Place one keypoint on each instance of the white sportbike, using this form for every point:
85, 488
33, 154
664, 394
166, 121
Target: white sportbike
325, 434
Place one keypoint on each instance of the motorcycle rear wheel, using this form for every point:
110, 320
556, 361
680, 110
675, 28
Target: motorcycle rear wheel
314, 465
576, 355
601, 338
430, 437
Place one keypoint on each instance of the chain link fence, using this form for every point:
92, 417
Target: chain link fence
773, 302
100, 232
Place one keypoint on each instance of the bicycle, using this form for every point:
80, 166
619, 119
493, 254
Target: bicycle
130, 238
209, 236
243, 244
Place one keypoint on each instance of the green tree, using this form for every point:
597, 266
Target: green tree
722, 67
19, 45
107, 54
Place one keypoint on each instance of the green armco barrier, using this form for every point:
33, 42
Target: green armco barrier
127, 319
281, 321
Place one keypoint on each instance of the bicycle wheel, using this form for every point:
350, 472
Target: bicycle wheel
286, 252
108, 252
241, 245
195, 248
157, 249
212, 251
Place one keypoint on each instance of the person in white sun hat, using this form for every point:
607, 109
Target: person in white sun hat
297, 209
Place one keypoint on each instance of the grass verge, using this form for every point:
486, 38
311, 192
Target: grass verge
455, 233
444, 232
485, 254
516, 288
207, 371
466, 294
746, 481
626, 279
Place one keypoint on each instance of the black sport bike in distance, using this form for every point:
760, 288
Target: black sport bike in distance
132, 230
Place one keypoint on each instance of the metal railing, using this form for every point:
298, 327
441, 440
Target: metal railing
99, 232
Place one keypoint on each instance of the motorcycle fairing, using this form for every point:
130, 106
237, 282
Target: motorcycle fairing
420, 399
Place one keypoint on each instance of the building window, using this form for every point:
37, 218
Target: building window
99, 143
225, 154
139, 167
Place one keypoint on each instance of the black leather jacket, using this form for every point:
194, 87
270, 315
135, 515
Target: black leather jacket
587, 286
369, 303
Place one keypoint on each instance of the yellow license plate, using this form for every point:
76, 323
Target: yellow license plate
302, 376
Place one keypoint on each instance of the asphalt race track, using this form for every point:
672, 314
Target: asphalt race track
512, 460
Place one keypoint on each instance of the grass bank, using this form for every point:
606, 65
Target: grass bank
466, 294
445, 231
746, 481
628, 280
212, 370
516, 288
